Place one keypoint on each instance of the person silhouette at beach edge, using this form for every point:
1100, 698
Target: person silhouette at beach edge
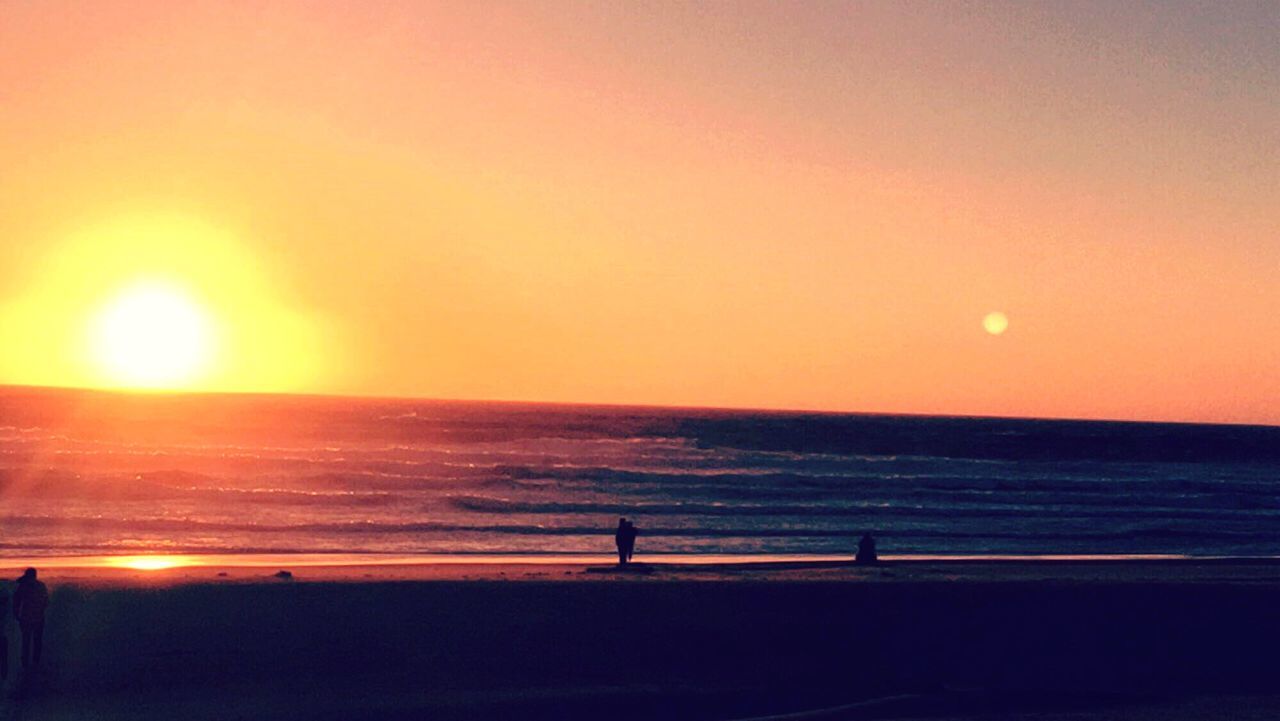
620, 540
630, 539
625, 539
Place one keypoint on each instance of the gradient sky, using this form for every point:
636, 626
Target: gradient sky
790, 205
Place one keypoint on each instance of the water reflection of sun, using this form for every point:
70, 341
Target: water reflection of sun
150, 563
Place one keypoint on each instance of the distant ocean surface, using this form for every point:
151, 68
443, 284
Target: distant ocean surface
93, 473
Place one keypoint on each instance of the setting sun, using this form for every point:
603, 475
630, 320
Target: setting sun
152, 335
158, 301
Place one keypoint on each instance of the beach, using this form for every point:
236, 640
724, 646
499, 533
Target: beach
268, 556
945, 639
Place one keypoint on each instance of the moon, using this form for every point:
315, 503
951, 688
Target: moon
995, 322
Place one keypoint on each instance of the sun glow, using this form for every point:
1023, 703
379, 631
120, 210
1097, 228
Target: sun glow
159, 302
152, 335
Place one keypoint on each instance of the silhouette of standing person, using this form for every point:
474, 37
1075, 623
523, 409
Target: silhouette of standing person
629, 539
866, 550
620, 540
30, 599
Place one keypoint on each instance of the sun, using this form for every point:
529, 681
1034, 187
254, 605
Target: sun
152, 335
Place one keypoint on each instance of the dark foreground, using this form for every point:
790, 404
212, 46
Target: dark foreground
594, 646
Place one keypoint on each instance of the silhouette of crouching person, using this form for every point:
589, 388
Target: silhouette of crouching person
30, 599
866, 551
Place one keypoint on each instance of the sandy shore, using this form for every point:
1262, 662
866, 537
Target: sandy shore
166, 570
974, 639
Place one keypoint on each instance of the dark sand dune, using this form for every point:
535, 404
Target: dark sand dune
642, 648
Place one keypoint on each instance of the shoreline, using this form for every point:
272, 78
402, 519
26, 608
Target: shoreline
164, 560
173, 570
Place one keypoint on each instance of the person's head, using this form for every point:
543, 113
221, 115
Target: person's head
28, 575
622, 521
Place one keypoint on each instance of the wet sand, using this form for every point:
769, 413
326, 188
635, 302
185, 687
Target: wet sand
163, 570
970, 640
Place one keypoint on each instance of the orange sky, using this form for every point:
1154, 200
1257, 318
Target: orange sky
799, 205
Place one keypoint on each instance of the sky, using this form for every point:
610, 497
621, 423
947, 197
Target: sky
768, 205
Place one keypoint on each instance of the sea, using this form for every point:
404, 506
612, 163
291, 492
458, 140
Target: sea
92, 473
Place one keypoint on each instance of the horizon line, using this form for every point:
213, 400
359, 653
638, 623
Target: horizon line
617, 405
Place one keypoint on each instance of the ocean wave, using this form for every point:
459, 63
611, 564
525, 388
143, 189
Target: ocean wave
883, 509
374, 474
236, 533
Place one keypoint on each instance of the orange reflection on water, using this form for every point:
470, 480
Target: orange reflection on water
150, 563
